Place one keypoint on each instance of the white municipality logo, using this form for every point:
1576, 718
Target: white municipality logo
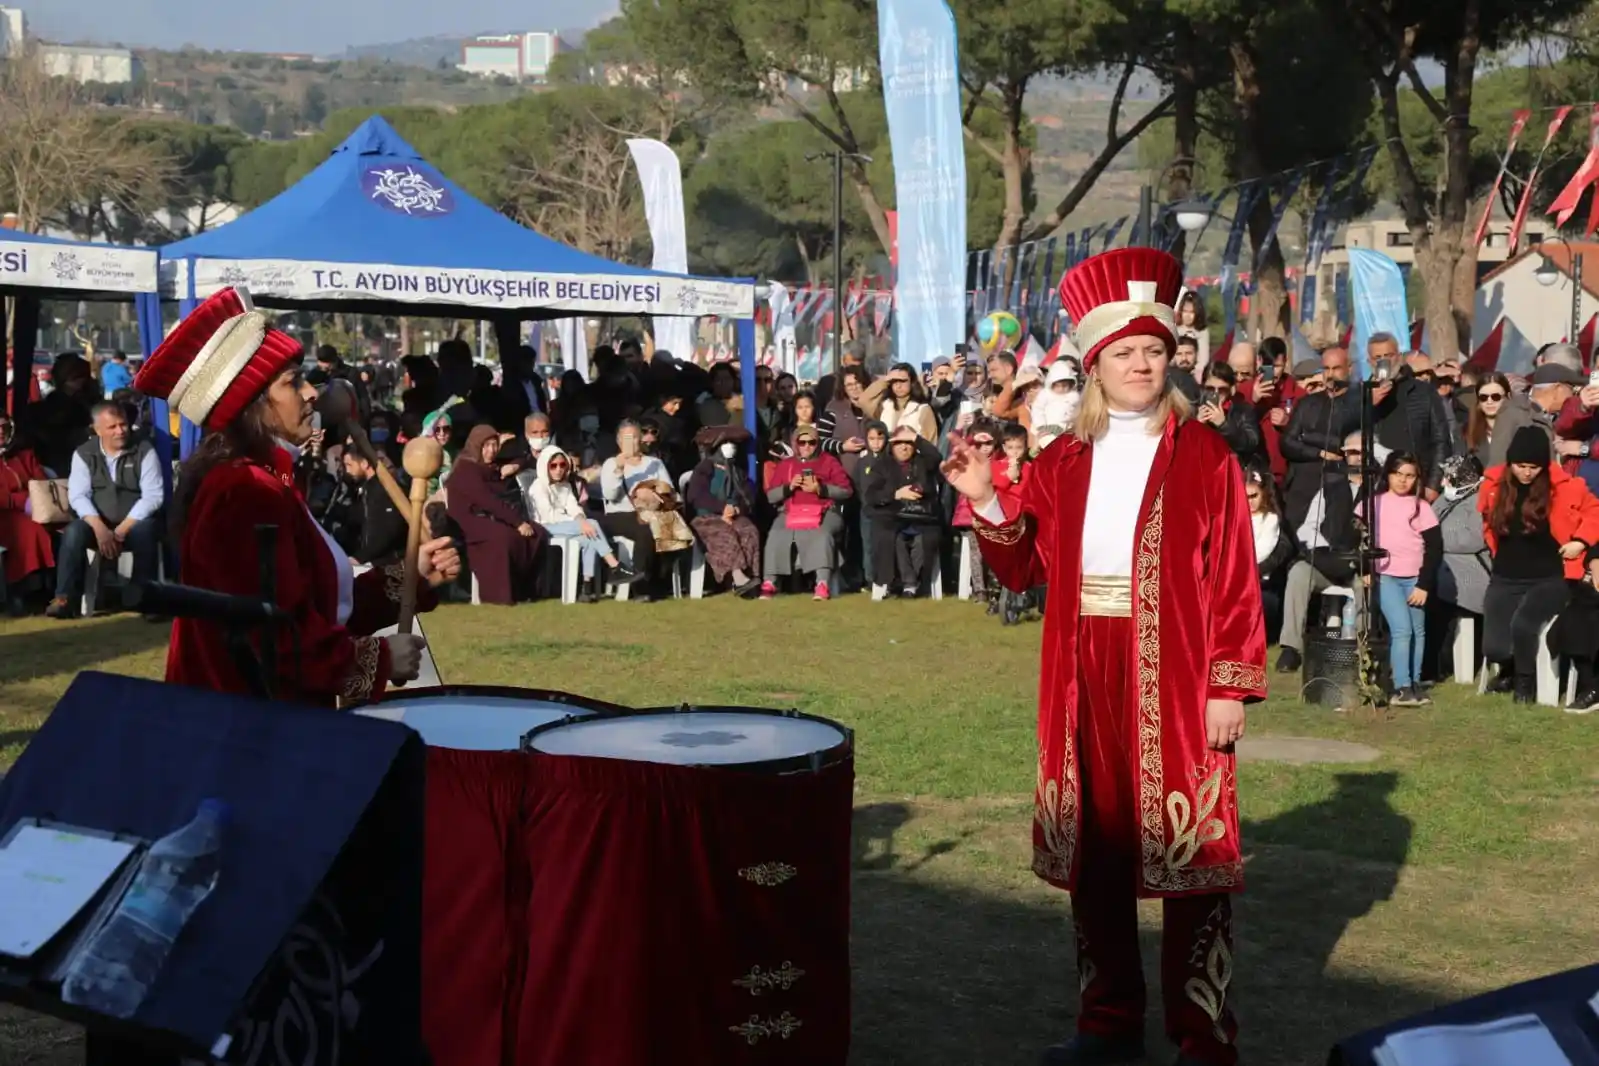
233, 277
65, 266
688, 298
918, 42
924, 152
407, 190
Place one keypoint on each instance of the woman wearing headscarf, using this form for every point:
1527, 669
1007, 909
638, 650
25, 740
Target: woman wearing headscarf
242, 382
722, 501
502, 546
26, 542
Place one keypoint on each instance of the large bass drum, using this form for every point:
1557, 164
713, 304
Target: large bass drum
475, 883
691, 888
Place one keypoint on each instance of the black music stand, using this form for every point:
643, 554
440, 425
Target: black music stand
309, 950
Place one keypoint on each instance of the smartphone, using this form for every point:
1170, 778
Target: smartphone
1209, 398
969, 407
1593, 377
808, 472
1268, 374
1384, 371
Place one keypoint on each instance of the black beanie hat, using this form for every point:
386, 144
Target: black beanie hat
1530, 445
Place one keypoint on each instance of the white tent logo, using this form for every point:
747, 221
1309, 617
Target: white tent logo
407, 190
65, 266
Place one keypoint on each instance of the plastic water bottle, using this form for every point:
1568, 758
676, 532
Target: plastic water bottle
118, 967
1348, 629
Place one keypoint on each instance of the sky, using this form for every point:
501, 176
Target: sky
316, 26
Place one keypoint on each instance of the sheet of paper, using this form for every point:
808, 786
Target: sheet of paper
1522, 1040
46, 878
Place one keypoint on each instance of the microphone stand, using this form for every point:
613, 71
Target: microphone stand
1368, 676
259, 668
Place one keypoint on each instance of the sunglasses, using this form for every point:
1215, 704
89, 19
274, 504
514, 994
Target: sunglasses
899, 381
805, 443
559, 463
984, 442
1490, 397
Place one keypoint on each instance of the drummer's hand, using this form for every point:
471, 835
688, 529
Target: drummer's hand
1224, 723
438, 562
405, 656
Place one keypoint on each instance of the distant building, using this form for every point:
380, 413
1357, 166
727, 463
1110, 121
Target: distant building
110, 66
518, 56
13, 31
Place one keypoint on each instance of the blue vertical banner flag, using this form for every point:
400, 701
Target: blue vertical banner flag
1248, 194
1318, 217
1290, 187
1379, 292
1111, 234
921, 92
1019, 282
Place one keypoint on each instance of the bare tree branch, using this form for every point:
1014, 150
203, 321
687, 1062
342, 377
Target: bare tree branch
1114, 144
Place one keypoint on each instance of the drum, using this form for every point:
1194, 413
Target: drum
691, 889
475, 873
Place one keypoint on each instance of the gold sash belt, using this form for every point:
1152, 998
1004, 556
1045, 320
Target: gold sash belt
1107, 597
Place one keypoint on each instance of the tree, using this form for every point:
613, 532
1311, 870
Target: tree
1393, 36
58, 153
805, 56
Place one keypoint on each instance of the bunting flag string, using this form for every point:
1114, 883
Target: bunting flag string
1289, 189
1518, 123
1532, 179
1112, 233
1318, 216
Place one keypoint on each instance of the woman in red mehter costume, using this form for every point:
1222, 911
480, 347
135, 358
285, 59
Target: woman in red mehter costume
225, 370
1153, 643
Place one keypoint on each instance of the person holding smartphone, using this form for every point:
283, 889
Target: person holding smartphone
907, 518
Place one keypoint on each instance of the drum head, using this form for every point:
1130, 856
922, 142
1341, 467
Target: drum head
480, 719
771, 741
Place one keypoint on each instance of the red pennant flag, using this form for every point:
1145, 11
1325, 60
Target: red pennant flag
1486, 357
1564, 205
1349, 335
1517, 124
1532, 179
1417, 328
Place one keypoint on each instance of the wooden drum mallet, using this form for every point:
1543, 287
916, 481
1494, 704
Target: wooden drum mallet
422, 460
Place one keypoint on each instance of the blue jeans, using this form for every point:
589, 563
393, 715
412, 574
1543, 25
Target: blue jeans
594, 548
143, 542
1407, 628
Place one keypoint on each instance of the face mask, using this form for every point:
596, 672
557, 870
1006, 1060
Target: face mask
538, 444
589, 423
379, 435
728, 449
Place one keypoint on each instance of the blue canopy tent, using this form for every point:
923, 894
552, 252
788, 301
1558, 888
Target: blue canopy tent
35, 268
376, 229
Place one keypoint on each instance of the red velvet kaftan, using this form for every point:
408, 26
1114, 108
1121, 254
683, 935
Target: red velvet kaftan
218, 552
1197, 634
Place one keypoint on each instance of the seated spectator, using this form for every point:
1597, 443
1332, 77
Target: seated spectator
900, 400
902, 494
1231, 416
1328, 540
502, 545
1407, 529
1575, 634
716, 409
1538, 522
1463, 577
536, 431
385, 437
441, 427
722, 501
116, 491
382, 528
1273, 548
558, 497
808, 487
114, 374
626, 480
27, 544
58, 425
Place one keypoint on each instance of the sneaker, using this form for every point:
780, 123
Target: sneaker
1585, 703
1410, 696
768, 590
1420, 697
61, 608
626, 575
879, 592
821, 592
1288, 661
749, 589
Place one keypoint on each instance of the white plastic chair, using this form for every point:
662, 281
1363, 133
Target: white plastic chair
1465, 648
696, 563
963, 580
1546, 674
94, 575
936, 581
571, 566
624, 555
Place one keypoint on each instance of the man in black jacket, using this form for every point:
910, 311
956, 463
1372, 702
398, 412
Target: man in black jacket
382, 527
1234, 420
1407, 413
1315, 433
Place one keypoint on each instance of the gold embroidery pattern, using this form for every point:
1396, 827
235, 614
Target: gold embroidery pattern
393, 581
1246, 676
768, 874
364, 670
756, 1029
1192, 824
1006, 535
1158, 873
1055, 814
758, 980
1209, 991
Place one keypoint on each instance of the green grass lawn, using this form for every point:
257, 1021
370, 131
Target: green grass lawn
1463, 859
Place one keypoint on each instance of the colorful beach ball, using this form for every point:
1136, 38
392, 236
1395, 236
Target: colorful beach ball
999, 332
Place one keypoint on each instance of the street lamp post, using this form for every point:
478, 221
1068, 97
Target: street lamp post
836, 157
1547, 274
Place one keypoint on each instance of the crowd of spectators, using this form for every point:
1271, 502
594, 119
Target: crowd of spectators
1481, 486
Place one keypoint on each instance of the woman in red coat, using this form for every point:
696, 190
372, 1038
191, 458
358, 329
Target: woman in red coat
1153, 642
225, 370
26, 542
